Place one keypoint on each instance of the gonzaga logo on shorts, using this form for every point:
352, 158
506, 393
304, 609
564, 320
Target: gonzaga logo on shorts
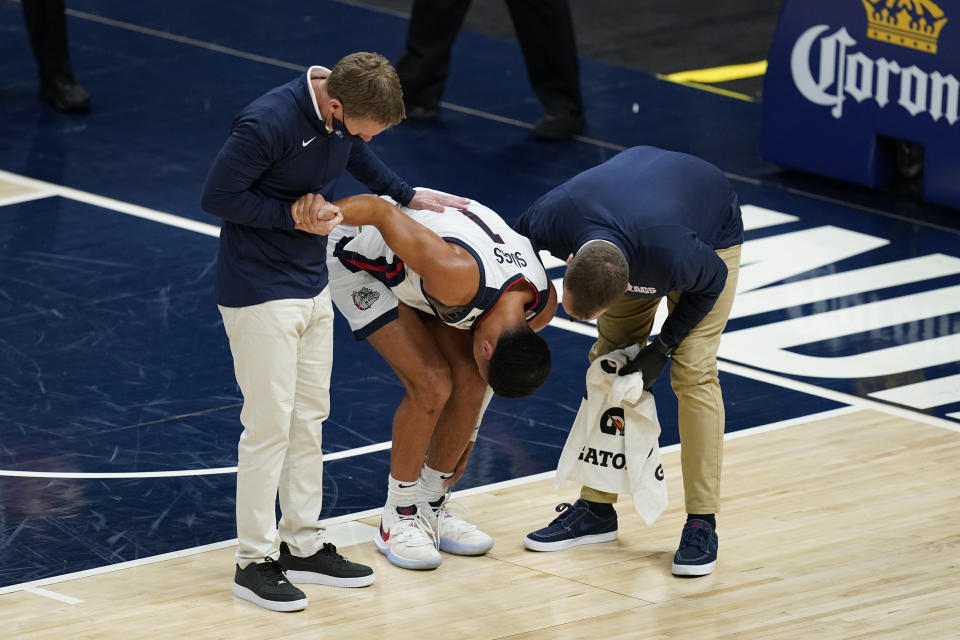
363, 298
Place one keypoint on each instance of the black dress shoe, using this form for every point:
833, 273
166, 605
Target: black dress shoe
419, 113
65, 94
559, 125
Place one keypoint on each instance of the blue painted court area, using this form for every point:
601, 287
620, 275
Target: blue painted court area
113, 358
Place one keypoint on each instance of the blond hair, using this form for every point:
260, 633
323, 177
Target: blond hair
368, 87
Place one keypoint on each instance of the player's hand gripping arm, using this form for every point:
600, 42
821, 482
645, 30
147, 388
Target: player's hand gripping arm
313, 214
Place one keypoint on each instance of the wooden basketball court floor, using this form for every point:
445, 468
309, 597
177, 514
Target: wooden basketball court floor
119, 413
840, 527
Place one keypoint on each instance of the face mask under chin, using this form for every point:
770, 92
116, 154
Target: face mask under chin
337, 127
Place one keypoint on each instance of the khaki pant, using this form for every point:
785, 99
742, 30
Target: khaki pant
693, 376
282, 356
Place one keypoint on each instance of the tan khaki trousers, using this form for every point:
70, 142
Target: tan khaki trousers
693, 376
282, 357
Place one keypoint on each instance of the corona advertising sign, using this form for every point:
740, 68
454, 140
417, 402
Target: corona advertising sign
847, 80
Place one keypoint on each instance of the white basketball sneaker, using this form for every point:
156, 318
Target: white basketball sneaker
455, 534
406, 538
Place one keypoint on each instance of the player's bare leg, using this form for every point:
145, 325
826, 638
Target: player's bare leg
406, 536
451, 438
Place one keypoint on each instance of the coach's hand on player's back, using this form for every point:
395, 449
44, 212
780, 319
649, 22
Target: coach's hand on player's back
433, 201
313, 214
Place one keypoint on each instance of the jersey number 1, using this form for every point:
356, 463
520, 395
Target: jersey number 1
483, 225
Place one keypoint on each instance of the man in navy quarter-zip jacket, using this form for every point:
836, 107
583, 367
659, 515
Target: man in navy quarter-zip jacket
270, 184
644, 225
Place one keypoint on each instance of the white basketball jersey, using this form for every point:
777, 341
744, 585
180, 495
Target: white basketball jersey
503, 255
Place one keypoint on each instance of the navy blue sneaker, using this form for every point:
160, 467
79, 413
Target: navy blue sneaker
697, 554
575, 525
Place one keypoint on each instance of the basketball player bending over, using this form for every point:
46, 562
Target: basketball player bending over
451, 301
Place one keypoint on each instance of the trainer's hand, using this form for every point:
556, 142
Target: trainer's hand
430, 201
459, 469
650, 362
307, 204
313, 214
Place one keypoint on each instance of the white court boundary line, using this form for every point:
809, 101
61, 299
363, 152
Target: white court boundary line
173, 555
25, 197
331, 522
327, 457
54, 595
103, 202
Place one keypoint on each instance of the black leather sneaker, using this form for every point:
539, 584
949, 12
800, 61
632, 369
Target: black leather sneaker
264, 584
326, 566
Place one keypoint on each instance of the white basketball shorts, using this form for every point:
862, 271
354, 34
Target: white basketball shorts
364, 300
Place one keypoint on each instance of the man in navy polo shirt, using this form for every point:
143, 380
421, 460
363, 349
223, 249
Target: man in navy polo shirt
645, 225
270, 184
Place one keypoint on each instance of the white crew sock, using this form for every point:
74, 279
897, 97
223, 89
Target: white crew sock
431, 484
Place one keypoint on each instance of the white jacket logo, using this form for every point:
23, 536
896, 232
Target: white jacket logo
636, 288
863, 78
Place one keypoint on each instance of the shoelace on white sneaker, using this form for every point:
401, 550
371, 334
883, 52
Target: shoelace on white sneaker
407, 531
440, 512
457, 523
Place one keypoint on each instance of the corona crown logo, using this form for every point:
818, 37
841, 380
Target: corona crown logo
907, 23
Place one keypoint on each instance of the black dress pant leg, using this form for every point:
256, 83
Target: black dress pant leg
545, 31
424, 64
46, 23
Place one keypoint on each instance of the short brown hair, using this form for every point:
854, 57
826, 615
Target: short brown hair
368, 87
596, 278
